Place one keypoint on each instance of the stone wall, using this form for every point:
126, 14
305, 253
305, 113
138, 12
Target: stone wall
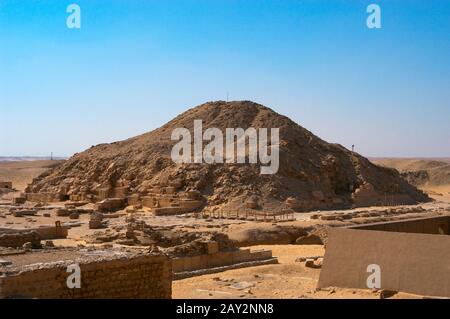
44, 197
141, 276
17, 239
218, 259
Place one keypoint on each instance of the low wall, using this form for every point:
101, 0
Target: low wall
427, 225
143, 276
43, 232
221, 258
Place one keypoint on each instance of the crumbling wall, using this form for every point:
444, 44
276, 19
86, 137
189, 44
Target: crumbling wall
18, 239
110, 204
144, 276
366, 195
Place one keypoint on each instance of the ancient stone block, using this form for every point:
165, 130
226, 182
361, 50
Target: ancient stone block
110, 204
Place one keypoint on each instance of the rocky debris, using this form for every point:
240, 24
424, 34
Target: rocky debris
4, 262
130, 218
27, 246
175, 242
130, 210
19, 200
193, 194
242, 285
252, 203
74, 216
312, 174
73, 204
107, 236
387, 212
49, 244
384, 294
315, 264
304, 259
110, 205
96, 221
24, 212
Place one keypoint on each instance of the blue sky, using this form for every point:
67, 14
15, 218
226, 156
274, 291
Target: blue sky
134, 65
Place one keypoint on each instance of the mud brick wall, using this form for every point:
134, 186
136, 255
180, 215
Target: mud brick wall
145, 276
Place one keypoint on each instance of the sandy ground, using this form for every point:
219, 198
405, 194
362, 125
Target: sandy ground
439, 193
22, 173
286, 280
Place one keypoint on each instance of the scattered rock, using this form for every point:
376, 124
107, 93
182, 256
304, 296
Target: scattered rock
49, 244
384, 294
74, 216
242, 285
27, 246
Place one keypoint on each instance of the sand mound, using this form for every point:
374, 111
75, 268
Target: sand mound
313, 174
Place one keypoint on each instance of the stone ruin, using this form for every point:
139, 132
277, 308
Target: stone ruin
31, 237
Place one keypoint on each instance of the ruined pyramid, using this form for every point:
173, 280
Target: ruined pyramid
312, 174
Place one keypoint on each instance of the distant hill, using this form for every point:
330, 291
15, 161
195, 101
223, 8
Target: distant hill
420, 171
21, 173
28, 158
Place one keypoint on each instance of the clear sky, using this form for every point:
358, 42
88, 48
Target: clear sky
134, 65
